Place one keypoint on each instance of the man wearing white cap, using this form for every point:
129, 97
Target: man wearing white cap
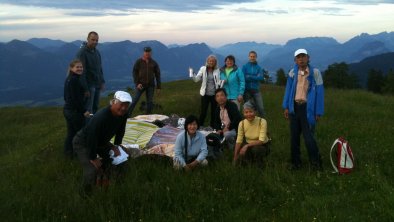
303, 104
94, 139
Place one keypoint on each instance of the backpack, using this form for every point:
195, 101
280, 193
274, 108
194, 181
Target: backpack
214, 143
344, 156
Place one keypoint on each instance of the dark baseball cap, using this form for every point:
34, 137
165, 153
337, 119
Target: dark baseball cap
147, 49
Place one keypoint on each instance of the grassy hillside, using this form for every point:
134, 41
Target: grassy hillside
38, 184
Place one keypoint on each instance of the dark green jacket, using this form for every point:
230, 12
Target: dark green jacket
92, 69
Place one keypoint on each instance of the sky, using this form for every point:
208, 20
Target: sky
215, 22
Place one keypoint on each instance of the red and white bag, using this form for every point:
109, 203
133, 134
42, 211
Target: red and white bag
344, 156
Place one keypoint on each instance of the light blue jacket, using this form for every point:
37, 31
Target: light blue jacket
253, 75
196, 146
234, 83
315, 94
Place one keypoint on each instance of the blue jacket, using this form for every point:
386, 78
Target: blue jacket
253, 75
315, 95
234, 83
196, 146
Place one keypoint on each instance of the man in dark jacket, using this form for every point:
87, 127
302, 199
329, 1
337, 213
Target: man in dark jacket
92, 143
227, 117
92, 77
145, 72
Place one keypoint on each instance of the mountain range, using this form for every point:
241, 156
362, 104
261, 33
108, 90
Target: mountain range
32, 72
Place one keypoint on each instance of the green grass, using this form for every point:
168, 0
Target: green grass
38, 184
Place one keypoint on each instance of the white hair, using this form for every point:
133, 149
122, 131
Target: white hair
114, 101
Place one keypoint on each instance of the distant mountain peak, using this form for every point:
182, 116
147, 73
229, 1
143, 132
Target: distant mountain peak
43, 43
311, 41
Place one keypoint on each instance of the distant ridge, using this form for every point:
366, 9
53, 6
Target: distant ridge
383, 62
33, 71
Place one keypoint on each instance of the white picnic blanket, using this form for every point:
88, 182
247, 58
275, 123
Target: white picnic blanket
151, 118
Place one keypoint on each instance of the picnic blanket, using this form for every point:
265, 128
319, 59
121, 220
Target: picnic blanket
150, 138
151, 118
138, 132
165, 135
162, 149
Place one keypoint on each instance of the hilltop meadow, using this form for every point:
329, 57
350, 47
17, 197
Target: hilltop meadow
39, 184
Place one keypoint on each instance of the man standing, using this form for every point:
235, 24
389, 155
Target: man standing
145, 72
253, 75
227, 117
303, 104
92, 143
92, 77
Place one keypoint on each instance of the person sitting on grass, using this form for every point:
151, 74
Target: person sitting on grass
190, 146
252, 140
227, 117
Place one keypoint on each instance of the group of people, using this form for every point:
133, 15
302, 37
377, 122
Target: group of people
225, 88
89, 130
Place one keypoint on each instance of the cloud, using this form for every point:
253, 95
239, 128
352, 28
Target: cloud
174, 5
336, 11
264, 11
94, 13
361, 2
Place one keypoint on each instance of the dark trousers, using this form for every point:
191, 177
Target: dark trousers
75, 121
299, 124
149, 92
93, 176
205, 101
255, 155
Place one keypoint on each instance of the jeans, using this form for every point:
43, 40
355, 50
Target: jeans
299, 124
93, 101
205, 101
230, 136
257, 99
75, 121
149, 92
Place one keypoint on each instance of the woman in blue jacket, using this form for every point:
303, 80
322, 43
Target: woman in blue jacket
190, 148
234, 80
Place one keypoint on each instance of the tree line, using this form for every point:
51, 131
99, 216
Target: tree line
338, 76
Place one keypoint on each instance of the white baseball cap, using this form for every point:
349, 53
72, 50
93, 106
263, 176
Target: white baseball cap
123, 96
300, 51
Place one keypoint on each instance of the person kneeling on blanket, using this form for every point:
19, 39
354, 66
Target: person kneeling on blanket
252, 143
190, 146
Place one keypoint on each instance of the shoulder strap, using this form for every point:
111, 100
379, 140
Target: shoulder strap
259, 125
185, 145
332, 161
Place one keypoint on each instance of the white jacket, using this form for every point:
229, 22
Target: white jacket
202, 73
